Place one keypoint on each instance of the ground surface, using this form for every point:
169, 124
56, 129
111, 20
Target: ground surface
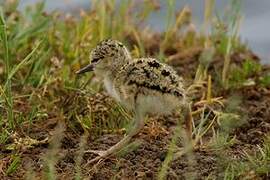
145, 159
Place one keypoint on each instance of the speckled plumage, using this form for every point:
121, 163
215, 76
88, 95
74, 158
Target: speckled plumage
148, 77
143, 85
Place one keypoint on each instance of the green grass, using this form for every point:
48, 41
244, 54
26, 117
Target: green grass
229, 41
41, 53
16, 160
7, 88
245, 74
251, 166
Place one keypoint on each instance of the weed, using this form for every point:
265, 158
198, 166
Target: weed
265, 80
229, 37
244, 75
16, 161
253, 166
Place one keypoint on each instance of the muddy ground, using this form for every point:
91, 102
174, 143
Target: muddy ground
143, 161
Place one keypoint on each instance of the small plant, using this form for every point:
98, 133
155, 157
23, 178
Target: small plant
225, 33
15, 163
173, 26
260, 162
265, 80
221, 141
209, 50
243, 75
254, 166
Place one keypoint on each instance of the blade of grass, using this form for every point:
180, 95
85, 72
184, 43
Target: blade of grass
102, 25
172, 147
208, 9
234, 26
4, 39
22, 63
169, 21
139, 42
16, 160
209, 89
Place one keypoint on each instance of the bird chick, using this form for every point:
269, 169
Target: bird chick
143, 85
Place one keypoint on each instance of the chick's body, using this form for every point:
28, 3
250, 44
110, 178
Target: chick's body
142, 85
146, 83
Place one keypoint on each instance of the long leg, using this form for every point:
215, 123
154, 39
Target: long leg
139, 123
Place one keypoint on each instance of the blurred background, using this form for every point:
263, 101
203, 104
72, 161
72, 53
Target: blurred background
254, 29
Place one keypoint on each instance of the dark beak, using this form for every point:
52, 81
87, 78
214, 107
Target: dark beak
89, 67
